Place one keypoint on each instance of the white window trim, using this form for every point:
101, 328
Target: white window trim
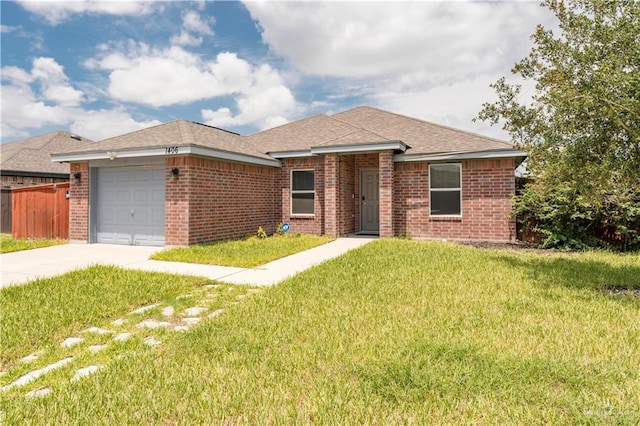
445, 189
291, 192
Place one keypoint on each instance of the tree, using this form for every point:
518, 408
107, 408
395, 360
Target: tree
581, 127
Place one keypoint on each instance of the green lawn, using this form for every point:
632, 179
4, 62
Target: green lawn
8, 244
395, 332
246, 253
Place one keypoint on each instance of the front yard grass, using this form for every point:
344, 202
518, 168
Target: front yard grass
394, 332
245, 253
8, 244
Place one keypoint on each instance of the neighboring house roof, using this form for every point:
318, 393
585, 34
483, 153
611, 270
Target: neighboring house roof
362, 129
187, 136
32, 156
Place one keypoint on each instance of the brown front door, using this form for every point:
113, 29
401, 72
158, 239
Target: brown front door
369, 201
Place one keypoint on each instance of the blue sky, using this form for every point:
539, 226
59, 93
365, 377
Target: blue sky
100, 69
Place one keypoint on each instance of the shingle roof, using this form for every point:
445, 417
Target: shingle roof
175, 133
421, 136
33, 155
367, 125
358, 127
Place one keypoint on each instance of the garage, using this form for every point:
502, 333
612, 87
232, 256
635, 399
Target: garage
130, 205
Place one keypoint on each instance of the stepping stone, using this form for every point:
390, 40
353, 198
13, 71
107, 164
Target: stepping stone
151, 341
96, 330
30, 357
144, 309
241, 296
195, 311
191, 320
71, 341
168, 311
29, 377
118, 322
211, 286
181, 328
215, 313
151, 323
84, 372
122, 337
96, 348
184, 296
38, 393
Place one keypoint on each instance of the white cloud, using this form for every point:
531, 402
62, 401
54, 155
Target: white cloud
186, 39
102, 124
54, 82
55, 12
193, 28
163, 77
432, 60
7, 28
441, 39
42, 96
192, 22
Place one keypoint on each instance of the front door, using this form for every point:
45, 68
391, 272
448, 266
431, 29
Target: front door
369, 201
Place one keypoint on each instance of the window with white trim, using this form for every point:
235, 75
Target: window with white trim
445, 189
302, 192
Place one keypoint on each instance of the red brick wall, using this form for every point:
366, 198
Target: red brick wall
79, 204
487, 188
303, 224
214, 200
386, 169
347, 220
331, 194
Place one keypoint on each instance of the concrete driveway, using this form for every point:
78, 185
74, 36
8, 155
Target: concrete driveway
23, 266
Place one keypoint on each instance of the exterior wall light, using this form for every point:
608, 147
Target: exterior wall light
174, 173
76, 177
112, 155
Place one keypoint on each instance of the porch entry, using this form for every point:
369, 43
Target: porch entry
369, 201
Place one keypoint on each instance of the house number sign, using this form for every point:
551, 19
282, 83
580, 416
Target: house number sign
171, 150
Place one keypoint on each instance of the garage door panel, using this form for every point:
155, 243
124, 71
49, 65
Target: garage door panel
130, 206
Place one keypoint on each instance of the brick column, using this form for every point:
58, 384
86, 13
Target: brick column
331, 191
176, 204
385, 166
79, 204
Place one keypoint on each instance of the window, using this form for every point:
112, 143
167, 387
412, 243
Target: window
445, 189
302, 192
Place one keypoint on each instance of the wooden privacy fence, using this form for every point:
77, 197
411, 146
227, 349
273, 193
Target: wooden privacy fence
5, 205
40, 211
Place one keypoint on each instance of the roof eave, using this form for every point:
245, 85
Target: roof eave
164, 152
359, 148
474, 155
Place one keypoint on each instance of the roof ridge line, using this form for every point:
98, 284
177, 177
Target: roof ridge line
431, 123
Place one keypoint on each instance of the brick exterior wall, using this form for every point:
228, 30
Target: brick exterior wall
79, 204
214, 200
347, 220
487, 188
302, 224
386, 169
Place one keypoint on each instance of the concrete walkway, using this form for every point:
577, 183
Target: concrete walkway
21, 267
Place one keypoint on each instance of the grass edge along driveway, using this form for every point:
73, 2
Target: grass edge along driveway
394, 332
244, 253
8, 244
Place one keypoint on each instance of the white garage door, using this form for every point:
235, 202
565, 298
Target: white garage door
130, 206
